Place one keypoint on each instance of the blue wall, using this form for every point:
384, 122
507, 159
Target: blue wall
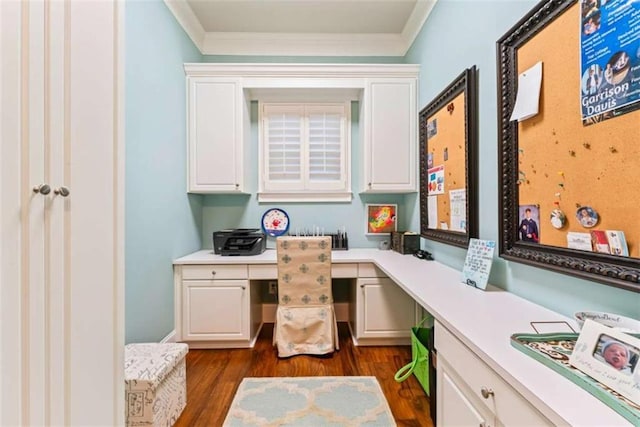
457, 35
162, 221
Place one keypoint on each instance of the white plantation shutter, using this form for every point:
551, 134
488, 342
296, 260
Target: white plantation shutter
285, 147
304, 151
325, 147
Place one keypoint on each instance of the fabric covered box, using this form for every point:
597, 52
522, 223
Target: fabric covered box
155, 383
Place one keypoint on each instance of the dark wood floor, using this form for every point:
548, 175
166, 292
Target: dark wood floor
213, 376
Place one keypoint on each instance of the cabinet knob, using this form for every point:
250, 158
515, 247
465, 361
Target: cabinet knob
237, 186
213, 272
369, 185
244, 287
486, 392
62, 191
43, 189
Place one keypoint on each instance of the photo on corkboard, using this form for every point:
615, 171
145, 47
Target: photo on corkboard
381, 219
529, 230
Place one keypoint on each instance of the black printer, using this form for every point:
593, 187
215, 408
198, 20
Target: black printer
239, 241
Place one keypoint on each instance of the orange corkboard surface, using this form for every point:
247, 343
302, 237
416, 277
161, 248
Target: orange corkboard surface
450, 137
562, 161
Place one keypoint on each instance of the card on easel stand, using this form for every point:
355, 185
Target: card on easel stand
477, 264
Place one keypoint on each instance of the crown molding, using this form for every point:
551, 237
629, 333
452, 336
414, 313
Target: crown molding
295, 44
290, 70
188, 21
415, 22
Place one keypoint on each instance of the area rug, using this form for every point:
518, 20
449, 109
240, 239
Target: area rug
309, 401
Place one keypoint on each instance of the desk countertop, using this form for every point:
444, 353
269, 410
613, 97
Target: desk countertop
483, 320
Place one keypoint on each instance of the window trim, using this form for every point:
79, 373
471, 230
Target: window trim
307, 193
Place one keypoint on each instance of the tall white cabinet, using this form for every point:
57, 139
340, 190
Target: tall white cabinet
390, 135
218, 131
61, 213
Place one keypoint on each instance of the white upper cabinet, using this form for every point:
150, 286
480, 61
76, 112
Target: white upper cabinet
218, 117
389, 135
219, 97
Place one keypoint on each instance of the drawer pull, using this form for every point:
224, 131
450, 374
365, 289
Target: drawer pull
486, 392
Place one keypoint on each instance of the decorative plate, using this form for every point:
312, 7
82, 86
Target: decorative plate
558, 219
275, 222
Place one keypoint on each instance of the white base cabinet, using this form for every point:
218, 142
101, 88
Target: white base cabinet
216, 307
470, 393
381, 312
456, 405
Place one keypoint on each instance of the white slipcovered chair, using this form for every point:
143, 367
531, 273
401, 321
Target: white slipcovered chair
305, 317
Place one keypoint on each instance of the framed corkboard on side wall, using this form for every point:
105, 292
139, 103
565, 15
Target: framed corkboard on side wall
448, 163
573, 166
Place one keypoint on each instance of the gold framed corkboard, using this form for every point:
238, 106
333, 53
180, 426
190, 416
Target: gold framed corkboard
561, 161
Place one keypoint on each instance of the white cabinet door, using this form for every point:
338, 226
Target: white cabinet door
454, 407
390, 135
384, 310
61, 253
218, 117
215, 310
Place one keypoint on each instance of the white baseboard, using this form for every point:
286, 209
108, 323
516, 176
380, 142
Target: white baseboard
171, 337
341, 309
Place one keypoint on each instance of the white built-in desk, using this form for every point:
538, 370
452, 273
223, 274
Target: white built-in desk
473, 342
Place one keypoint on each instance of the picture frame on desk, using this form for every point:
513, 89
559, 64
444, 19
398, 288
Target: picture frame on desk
609, 356
382, 219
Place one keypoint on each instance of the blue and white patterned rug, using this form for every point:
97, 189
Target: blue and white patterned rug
309, 401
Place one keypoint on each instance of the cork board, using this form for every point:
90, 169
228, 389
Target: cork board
565, 164
450, 136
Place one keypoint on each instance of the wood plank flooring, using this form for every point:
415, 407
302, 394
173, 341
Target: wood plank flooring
213, 376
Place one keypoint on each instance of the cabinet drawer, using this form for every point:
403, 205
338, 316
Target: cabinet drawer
263, 272
215, 272
370, 270
506, 403
344, 271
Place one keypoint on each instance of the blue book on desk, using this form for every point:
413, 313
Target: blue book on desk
477, 264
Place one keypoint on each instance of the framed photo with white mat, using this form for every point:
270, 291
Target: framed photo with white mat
609, 356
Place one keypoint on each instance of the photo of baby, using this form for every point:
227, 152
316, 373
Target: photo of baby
620, 356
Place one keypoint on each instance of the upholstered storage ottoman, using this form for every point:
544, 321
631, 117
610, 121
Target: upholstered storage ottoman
155, 379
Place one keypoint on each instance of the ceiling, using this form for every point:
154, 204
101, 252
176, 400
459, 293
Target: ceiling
302, 27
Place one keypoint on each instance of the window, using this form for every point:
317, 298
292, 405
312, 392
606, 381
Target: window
304, 152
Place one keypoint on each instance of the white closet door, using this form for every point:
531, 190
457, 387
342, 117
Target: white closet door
61, 256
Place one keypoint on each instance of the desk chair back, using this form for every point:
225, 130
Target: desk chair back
305, 317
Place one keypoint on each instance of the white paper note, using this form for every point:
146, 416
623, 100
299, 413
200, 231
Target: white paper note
528, 97
458, 203
432, 211
477, 264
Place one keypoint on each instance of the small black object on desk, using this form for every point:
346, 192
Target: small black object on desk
423, 255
